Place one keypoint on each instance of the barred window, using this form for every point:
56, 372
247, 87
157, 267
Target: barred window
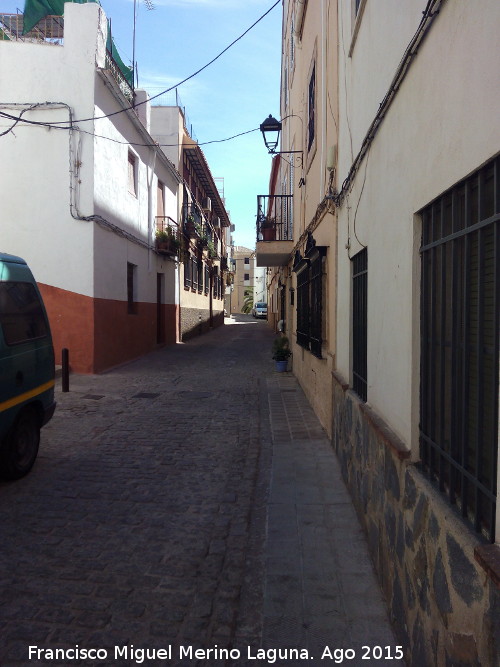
131, 289
459, 345
360, 323
311, 122
207, 279
200, 275
194, 272
187, 272
309, 270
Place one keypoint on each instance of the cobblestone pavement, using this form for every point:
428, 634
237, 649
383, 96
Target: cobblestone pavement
143, 524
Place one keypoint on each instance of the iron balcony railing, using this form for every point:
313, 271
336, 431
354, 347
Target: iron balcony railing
49, 29
117, 74
274, 217
191, 215
168, 238
165, 223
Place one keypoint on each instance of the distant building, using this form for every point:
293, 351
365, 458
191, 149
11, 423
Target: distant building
244, 279
205, 225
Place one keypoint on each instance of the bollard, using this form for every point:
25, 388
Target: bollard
65, 369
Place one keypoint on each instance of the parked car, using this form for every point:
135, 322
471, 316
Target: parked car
260, 310
27, 370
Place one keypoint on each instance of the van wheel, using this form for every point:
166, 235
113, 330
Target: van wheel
21, 446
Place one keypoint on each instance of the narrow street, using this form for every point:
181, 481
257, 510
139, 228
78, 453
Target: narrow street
188, 499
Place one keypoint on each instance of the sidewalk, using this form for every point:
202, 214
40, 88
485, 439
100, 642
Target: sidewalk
187, 501
321, 593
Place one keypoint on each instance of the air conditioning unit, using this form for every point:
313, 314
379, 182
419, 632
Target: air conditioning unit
207, 205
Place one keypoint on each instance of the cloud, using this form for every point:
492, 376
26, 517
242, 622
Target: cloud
190, 94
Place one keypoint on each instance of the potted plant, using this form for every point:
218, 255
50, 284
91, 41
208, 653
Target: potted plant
190, 226
212, 250
281, 353
268, 229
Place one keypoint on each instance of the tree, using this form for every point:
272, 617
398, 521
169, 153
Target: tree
247, 300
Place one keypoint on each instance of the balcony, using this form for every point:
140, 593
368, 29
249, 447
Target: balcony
168, 238
118, 74
192, 220
274, 229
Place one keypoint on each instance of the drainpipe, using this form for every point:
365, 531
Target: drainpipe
324, 34
151, 169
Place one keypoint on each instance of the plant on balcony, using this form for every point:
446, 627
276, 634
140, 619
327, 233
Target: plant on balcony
167, 241
268, 229
212, 250
190, 226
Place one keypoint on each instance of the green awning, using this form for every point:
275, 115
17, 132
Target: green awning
36, 10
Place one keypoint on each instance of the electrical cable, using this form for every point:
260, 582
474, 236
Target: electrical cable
18, 119
188, 78
429, 14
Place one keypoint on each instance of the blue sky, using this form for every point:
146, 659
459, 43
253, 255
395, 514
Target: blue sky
233, 95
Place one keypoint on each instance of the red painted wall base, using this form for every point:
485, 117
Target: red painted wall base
100, 333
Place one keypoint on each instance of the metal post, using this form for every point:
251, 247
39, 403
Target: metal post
65, 369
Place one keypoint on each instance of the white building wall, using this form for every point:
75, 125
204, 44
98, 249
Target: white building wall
40, 159
66, 197
441, 127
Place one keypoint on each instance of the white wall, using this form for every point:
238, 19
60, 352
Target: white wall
442, 126
167, 129
56, 176
35, 189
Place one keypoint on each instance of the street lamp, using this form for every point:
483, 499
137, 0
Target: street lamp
271, 129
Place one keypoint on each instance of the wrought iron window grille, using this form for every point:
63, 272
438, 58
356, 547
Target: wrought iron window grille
460, 323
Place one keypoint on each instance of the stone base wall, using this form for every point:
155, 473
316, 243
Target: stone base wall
444, 604
196, 321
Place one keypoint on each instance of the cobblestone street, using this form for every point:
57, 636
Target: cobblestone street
143, 523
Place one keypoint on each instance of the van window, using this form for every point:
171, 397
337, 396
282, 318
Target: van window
21, 313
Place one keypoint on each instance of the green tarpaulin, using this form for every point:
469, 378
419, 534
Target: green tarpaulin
35, 10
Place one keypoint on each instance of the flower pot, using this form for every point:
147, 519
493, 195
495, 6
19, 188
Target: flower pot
268, 233
167, 247
281, 366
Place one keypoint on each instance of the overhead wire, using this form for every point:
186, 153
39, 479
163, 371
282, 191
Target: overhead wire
180, 83
155, 144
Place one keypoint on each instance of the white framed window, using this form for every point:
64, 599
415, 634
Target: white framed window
131, 288
132, 173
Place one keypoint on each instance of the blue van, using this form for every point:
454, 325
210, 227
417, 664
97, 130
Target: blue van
27, 370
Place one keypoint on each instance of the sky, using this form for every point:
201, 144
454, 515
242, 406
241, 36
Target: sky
233, 95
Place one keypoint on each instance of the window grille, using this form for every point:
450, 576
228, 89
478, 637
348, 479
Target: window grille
309, 270
194, 273
460, 325
360, 323
207, 279
187, 272
131, 288
303, 307
311, 106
